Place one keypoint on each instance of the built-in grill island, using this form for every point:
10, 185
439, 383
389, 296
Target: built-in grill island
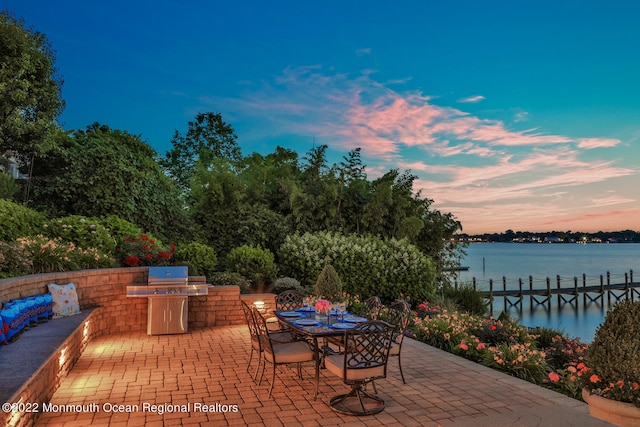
168, 291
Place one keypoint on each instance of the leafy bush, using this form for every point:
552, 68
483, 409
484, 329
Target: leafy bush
545, 336
328, 284
366, 265
564, 352
201, 259
467, 299
613, 358
521, 360
51, 255
18, 221
144, 250
287, 283
226, 278
120, 228
8, 186
84, 232
254, 263
496, 332
15, 260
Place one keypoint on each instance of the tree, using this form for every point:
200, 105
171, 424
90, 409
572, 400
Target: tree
269, 180
99, 172
313, 200
207, 138
220, 207
353, 193
30, 89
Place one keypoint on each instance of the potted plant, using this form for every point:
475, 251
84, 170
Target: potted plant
611, 374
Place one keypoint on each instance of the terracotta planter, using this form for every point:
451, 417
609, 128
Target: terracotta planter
617, 413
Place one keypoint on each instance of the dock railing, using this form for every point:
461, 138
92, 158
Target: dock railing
592, 289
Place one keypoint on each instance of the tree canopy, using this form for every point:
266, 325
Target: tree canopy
99, 172
30, 89
208, 138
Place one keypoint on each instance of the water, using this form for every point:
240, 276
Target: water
520, 260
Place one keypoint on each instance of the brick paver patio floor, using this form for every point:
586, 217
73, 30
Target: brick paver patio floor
208, 367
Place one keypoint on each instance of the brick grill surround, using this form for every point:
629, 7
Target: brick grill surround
104, 291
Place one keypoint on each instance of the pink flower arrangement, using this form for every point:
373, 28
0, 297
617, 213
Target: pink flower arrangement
323, 306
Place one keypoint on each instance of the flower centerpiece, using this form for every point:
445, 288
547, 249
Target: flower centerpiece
611, 377
323, 306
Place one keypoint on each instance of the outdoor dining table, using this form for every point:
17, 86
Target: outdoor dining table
312, 326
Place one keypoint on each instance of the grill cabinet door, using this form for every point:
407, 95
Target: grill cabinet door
167, 315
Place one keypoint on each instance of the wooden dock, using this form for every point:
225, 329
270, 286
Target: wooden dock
565, 294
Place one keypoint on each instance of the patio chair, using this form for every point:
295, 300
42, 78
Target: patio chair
289, 300
256, 345
255, 338
365, 356
398, 314
280, 353
371, 308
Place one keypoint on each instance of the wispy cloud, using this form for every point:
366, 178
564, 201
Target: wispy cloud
521, 116
470, 165
597, 142
471, 99
363, 51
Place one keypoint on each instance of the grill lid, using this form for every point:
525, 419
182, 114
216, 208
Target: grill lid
168, 275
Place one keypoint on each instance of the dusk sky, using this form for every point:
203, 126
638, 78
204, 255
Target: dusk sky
520, 115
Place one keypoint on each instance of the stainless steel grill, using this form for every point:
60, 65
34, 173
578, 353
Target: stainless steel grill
168, 292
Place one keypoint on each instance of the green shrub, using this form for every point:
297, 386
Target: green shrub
545, 336
226, 278
15, 260
120, 228
8, 186
366, 265
201, 259
328, 284
467, 299
84, 232
254, 263
613, 357
287, 284
18, 221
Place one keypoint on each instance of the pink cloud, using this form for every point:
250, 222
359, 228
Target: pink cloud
588, 143
481, 170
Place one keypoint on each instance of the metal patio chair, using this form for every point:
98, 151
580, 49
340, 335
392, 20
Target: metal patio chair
371, 308
364, 359
278, 353
289, 300
398, 314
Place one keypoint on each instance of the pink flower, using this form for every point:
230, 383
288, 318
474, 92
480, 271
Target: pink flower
594, 378
323, 306
480, 346
464, 346
554, 377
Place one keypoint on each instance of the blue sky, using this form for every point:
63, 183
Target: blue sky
514, 115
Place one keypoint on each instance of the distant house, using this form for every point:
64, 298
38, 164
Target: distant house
552, 239
9, 165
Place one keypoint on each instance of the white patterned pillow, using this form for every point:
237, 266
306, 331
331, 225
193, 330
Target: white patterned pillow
65, 299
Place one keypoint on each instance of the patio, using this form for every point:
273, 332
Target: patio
206, 369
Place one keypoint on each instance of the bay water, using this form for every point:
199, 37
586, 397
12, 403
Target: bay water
513, 261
